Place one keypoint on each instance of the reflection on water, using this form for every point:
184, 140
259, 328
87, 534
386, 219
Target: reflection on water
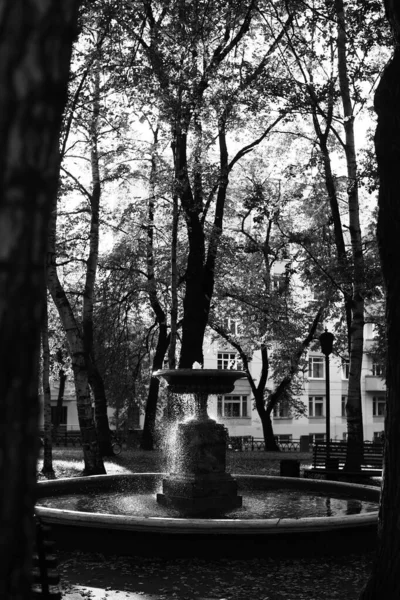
271, 504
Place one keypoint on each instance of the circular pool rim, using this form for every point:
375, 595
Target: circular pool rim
195, 526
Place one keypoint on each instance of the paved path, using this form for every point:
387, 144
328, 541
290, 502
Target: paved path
91, 577
94, 593
79, 592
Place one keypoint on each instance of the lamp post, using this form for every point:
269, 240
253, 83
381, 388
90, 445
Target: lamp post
326, 341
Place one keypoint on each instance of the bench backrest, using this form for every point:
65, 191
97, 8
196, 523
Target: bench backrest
373, 453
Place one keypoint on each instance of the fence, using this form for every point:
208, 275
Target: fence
72, 437
249, 443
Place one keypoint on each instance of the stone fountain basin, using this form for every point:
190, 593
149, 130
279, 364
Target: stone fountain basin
208, 381
121, 534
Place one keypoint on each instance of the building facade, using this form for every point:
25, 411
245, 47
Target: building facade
236, 410
237, 413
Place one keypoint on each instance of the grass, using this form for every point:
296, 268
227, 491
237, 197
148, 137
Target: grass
68, 462
264, 578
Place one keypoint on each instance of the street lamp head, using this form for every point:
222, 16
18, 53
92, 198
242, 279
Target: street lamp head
326, 341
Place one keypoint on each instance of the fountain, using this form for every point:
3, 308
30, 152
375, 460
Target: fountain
200, 485
198, 510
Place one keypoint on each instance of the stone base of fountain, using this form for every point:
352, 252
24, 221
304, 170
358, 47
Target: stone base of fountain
200, 494
200, 484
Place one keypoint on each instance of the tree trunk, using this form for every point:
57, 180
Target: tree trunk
147, 441
47, 441
174, 285
194, 304
353, 301
355, 435
200, 269
62, 378
100, 409
91, 452
270, 443
95, 378
35, 46
342, 259
353, 284
384, 581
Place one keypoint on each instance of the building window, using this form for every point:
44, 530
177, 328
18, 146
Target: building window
63, 420
316, 437
231, 326
280, 282
232, 406
345, 369
378, 406
378, 369
228, 360
316, 367
344, 402
282, 411
316, 406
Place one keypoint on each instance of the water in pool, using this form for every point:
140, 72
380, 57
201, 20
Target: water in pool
272, 504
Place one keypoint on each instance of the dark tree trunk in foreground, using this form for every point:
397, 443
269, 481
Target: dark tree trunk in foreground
385, 580
35, 48
47, 441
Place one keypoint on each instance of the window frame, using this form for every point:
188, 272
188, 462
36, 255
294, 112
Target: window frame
232, 325
378, 401
312, 403
233, 357
378, 437
345, 369
285, 408
316, 360
343, 406
240, 400
280, 282
378, 369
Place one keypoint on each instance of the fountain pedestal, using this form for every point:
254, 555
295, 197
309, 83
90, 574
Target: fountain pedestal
200, 484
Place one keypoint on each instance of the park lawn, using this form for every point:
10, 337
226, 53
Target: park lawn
68, 462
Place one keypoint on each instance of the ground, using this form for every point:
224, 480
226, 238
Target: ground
262, 579
98, 577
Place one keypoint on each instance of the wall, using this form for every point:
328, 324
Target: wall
370, 386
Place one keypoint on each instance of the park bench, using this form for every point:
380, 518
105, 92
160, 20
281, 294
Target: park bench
334, 465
